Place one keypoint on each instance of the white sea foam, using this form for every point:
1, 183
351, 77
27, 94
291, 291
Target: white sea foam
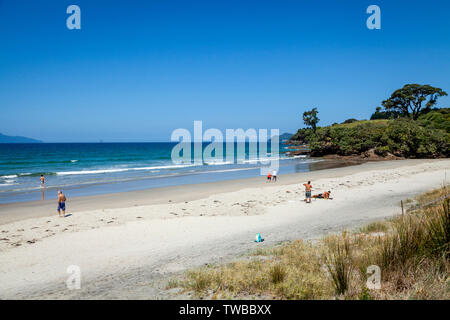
217, 163
73, 161
66, 173
298, 156
8, 183
268, 159
69, 173
9, 177
13, 176
169, 167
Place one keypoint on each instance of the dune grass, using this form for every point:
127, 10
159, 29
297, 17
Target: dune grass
412, 252
376, 226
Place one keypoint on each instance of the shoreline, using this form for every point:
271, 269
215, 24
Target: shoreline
21, 187
16, 211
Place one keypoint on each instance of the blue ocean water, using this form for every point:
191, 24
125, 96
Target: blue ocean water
93, 168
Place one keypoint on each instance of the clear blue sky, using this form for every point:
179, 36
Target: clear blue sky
139, 69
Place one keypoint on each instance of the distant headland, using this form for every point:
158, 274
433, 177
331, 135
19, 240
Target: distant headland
17, 139
410, 126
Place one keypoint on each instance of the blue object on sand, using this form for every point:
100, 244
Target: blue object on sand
258, 237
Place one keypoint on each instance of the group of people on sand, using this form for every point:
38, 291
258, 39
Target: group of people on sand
61, 199
272, 176
308, 189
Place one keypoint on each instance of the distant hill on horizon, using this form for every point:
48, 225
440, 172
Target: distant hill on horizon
286, 136
17, 139
283, 137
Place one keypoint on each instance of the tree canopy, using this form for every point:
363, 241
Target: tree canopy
379, 114
413, 99
310, 118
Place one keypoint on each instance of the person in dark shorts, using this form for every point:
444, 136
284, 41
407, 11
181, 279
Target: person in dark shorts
308, 188
61, 203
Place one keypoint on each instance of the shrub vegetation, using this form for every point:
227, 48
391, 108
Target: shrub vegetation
426, 137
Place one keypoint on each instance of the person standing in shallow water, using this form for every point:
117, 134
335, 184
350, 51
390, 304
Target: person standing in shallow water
42, 181
308, 188
61, 203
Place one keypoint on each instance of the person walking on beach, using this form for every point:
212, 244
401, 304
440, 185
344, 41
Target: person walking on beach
274, 175
61, 203
269, 177
308, 187
42, 181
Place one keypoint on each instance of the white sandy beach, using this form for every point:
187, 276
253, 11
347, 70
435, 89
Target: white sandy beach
127, 250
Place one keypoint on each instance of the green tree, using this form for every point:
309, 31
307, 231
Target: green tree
310, 118
413, 99
379, 114
351, 120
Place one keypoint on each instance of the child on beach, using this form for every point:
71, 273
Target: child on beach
274, 175
269, 177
